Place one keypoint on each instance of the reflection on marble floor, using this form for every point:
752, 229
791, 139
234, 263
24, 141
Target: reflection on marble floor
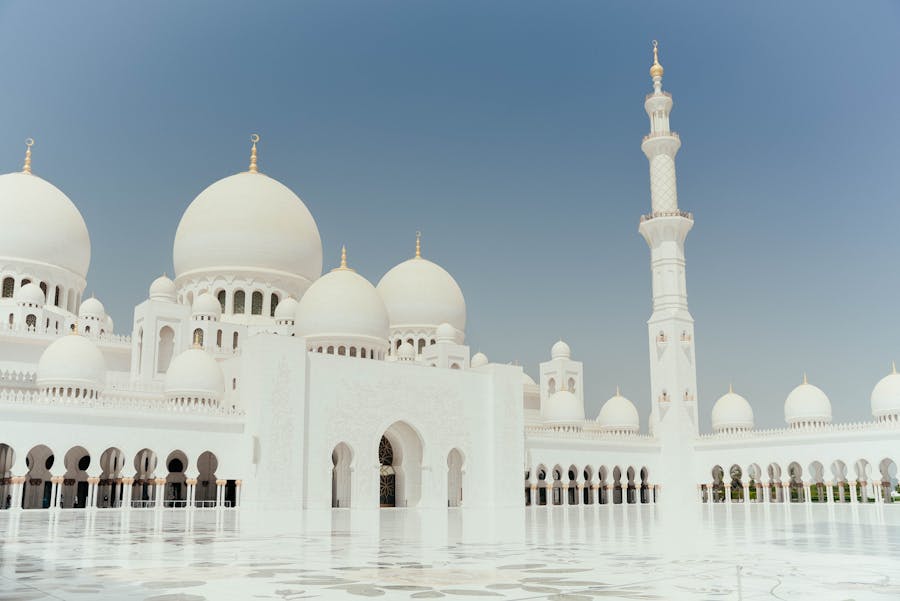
576, 553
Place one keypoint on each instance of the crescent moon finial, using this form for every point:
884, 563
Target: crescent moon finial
26, 168
253, 168
254, 138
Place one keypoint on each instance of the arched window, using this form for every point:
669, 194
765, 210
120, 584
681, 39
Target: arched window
234, 383
256, 303
44, 289
140, 349
551, 386
239, 302
372, 354
198, 336
571, 384
25, 281
87, 329
31, 321
221, 296
10, 319
9, 284
421, 345
219, 339
234, 341
165, 349
275, 301
330, 350
362, 353
57, 296
352, 351
342, 350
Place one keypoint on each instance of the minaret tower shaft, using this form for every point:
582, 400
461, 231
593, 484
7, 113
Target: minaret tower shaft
673, 374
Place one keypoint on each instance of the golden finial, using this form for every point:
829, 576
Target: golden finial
893, 367
656, 70
343, 266
418, 245
805, 381
730, 388
617, 391
253, 138
26, 168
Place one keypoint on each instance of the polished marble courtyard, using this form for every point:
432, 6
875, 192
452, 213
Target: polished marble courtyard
560, 553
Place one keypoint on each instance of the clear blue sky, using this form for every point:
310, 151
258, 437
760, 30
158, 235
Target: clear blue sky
509, 133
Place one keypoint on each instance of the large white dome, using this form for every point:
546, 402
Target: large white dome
562, 407
732, 412
419, 293
72, 361
194, 374
40, 224
619, 414
342, 304
885, 397
807, 404
248, 222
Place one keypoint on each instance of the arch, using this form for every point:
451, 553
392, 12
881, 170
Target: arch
645, 494
863, 478
571, 384
175, 493
234, 341
57, 296
239, 300
43, 287
841, 486
718, 484
75, 489
754, 473
556, 496
198, 336
572, 490
551, 386
9, 287
273, 304
587, 495
775, 489
109, 488
736, 482
205, 489
887, 467
31, 322
341, 475
617, 485
402, 459
219, 339
222, 296
256, 303
631, 496
166, 347
602, 490
815, 486
795, 483
143, 490
7, 460
38, 488
455, 462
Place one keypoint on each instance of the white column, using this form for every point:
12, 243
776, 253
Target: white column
55, 491
191, 488
610, 494
237, 493
160, 493
728, 493
18, 487
829, 490
767, 495
220, 493
126, 492
746, 493
549, 495
853, 499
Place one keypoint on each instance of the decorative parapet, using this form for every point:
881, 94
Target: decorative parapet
44, 333
873, 426
655, 214
587, 431
114, 401
662, 134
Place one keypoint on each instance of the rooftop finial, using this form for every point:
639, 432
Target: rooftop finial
618, 393
805, 381
893, 367
731, 387
656, 70
253, 138
26, 168
418, 245
344, 257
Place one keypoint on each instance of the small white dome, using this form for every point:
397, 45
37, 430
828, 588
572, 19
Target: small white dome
885, 397
560, 350
562, 407
528, 380
406, 352
342, 304
92, 308
206, 304
618, 414
163, 289
445, 333
419, 293
41, 224
30, 294
194, 374
72, 361
248, 222
732, 412
807, 404
479, 359
287, 309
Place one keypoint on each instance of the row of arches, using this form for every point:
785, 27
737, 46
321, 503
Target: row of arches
860, 481
235, 302
58, 296
198, 337
111, 483
418, 342
348, 351
587, 486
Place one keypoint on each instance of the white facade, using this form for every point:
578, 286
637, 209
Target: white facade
253, 379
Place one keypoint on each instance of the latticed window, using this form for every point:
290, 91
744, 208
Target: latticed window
256, 303
8, 285
31, 321
239, 301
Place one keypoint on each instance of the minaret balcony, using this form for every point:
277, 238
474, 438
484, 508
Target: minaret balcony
655, 214
662, 134
660, 93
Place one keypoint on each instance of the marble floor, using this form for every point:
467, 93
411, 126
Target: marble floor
562, 553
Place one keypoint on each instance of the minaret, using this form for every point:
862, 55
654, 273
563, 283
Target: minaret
673, 375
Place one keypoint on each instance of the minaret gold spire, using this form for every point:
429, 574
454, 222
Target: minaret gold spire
253, 138
418, 245
617, 391
656, 70
26, 168
343, 266
893, 367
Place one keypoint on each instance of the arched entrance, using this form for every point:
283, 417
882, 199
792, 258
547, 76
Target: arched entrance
37, 490
205, 489
454, 478
341, 458
109, 489
400, 466
176, 481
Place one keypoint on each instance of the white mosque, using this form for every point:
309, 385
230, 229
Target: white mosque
252, 379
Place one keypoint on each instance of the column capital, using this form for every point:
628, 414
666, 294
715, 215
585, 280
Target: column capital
238, 482
191, 481
128, 481
159, 481
93, 480
221, 482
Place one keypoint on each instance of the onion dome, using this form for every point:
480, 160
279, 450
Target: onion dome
885, 397
194, 377
206, 307
72, 366
163, 289
807, 405
618, 414
92, 309
563, 407
40, 224
445, 333
479, 359
560, 350
406, 352
732, 412
656, 70
344, 308
420, 294
286, 311
30, 295
249, 223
